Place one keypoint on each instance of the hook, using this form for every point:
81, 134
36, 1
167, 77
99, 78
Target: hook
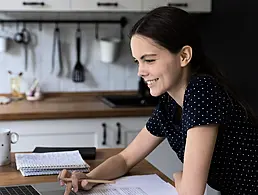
40, 26
123, 22
24, 25
97, 31
56, 25
2, 25
17, 26
121, 33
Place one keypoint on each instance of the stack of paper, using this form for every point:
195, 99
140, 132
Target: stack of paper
49, 163
132, 185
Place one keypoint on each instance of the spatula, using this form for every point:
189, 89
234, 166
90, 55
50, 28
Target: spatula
78, 71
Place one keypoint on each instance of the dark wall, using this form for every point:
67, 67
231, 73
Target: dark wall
230, 39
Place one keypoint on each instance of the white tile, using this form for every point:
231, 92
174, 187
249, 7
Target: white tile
99, 76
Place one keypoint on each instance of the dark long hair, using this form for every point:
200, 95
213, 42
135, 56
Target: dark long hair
173, 28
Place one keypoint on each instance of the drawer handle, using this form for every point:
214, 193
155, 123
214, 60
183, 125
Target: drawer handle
118, 133
34, 3
107, 4
178, 4
104, 133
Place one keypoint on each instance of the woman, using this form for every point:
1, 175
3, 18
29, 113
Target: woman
211, 131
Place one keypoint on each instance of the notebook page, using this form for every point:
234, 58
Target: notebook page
49, 160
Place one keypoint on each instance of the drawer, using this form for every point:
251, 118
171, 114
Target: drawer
187, 5
36, 5
106, 5
151, 4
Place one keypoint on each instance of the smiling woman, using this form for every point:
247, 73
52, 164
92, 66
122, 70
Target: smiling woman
198, 113
211, 131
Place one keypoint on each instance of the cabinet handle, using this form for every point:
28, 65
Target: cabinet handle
108, 4
178, 4
118, 133
33, 3
104, 133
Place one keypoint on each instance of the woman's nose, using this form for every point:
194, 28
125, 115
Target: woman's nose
142, 71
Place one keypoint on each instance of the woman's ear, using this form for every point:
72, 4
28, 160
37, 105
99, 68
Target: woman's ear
185, 55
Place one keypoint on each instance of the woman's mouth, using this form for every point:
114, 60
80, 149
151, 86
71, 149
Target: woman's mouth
151, 82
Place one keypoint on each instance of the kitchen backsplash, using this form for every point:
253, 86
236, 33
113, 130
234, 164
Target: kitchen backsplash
120, 75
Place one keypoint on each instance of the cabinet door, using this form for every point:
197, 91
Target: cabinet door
35, 5
124, 130
191, 5
106, 5
187, 5
105, 135
59, 133
151, 4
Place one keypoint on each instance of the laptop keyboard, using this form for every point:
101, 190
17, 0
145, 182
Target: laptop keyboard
18, 190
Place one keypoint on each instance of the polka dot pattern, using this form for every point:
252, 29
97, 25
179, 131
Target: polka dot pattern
234, 166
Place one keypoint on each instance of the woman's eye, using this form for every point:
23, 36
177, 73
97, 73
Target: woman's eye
149, 61
136, 61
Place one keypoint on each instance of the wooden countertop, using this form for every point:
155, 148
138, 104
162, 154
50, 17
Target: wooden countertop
69, 105
10, 176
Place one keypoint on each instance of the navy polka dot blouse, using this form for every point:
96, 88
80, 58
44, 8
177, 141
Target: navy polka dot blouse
234, 166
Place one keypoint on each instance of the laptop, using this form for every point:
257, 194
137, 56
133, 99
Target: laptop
50, 188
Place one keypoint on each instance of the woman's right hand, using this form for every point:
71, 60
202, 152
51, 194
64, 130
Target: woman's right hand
78, 181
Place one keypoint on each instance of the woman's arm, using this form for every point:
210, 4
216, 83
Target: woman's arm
117, 165
199, 149
121, 163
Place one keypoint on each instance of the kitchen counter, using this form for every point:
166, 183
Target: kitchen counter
69, 105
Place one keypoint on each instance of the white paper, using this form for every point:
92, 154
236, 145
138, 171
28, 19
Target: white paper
144, 190
114, 191
132, 185
139, 180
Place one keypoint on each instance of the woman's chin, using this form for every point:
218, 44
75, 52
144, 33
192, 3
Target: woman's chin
155, 93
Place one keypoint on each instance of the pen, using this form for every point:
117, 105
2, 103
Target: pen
90, 180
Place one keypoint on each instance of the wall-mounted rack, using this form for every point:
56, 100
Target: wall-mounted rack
123, 22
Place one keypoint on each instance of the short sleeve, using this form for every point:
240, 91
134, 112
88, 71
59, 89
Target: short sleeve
206, 102
162, 114
154, 124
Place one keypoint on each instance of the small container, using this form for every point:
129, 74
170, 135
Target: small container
15, 85
109, 49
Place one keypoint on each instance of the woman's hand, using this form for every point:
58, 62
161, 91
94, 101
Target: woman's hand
75, 185
177, 177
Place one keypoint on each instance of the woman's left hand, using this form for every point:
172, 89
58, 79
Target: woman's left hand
177, 177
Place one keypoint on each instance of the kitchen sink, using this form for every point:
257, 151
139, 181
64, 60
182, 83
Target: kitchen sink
122, 101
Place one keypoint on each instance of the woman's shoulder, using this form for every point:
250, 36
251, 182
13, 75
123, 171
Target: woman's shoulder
205, 89
203, 80
204, 84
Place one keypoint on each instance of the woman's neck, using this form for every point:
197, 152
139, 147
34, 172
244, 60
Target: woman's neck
178, 91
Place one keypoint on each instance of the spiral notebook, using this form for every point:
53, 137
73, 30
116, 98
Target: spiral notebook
50, 163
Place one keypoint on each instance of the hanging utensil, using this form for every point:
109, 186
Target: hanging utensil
78, 71
57, 45
26, 40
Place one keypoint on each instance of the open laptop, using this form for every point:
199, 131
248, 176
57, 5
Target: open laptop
50, 188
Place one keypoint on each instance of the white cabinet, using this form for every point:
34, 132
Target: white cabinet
103, 5
106, 5
35, 5
98, 132
148, 5
66, 133
194, 6
124, 130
